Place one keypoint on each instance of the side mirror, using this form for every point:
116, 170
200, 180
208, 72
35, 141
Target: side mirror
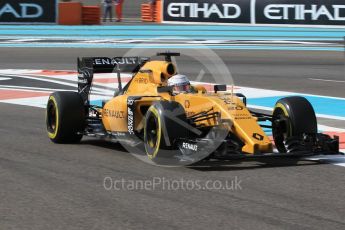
219, 88
244, 98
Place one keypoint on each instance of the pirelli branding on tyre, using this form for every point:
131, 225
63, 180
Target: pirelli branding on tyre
281, 12
28, 11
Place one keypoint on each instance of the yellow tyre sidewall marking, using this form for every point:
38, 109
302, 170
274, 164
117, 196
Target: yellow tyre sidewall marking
159, 133
282, 107
53, 135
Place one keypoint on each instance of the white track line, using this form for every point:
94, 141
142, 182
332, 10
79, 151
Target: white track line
97, 90
31, 88
47, 80
40, 102
326, 128
327, 80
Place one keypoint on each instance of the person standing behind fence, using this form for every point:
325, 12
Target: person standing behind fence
108, 9
119, 10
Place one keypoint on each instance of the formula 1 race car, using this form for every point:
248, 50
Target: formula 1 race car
189, 126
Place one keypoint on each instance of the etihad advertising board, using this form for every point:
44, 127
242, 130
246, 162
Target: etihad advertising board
234, 11
28, 11
305, 12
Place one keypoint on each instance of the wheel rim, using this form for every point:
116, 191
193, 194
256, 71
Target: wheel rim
152, 132
51, 117
280, 129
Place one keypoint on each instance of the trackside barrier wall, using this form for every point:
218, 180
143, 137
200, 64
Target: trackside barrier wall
74, 13
146, 15
91, 15
256, 12
70, 13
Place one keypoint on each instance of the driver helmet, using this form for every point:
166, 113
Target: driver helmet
180, 83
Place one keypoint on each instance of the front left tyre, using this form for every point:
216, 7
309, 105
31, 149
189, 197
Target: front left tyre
165, 123
65, 117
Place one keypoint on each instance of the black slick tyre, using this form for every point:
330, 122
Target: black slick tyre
165, 122
292, 117
65, 117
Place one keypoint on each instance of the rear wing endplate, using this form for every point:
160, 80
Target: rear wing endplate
87, 66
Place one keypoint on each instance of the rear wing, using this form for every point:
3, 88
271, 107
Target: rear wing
87, 66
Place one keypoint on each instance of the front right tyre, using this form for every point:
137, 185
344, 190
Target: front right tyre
292, 117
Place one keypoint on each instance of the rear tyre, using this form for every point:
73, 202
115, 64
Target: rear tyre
65, 117
292, 117
164, 124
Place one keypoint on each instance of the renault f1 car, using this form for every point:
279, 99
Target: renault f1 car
194, 125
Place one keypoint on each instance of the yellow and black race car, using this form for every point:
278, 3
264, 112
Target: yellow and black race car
193, 125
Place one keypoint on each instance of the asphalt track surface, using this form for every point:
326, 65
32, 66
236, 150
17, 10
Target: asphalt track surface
49, 186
